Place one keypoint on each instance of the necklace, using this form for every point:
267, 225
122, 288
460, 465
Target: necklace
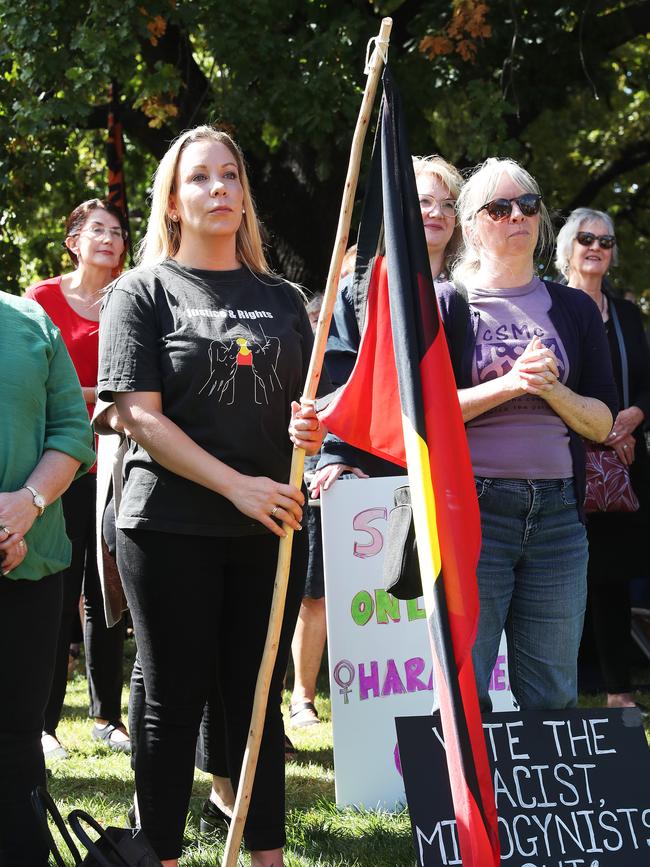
86, 306
602, 306
87, 299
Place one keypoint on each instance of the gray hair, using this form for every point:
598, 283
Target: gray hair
314, 303
479, 188
568, 232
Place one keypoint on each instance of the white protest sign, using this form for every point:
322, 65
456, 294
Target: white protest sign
379, 654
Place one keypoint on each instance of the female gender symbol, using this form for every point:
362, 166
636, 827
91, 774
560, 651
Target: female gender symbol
344, 666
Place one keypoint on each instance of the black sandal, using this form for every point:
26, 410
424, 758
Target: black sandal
213, 818
307, 709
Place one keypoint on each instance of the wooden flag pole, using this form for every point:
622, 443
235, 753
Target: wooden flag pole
236, 830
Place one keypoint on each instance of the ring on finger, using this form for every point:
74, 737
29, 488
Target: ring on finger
4, 529
274, 511
22, 545
625, 446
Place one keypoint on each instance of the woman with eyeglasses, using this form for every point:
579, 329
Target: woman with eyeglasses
95, 239
618, 542
438, 185
533, 377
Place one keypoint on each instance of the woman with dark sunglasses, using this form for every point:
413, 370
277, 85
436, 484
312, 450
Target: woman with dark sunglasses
534, 376
618, 542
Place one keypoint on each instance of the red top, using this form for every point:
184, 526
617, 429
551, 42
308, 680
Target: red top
80, 335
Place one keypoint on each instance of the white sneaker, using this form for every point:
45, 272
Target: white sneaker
52, 749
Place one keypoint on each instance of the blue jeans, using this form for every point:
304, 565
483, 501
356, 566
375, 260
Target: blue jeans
532, 578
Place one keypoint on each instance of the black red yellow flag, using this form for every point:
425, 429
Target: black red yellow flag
401, 403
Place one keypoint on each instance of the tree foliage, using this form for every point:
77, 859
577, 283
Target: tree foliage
562, 88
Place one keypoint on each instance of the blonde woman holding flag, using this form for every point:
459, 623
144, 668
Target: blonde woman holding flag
205, 351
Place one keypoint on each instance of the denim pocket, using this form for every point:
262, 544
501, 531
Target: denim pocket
482, 485
568, 492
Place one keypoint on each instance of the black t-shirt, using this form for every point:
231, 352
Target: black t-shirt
228, 351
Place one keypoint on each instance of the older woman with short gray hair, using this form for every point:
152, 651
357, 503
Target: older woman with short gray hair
533, 377
573, 227
618, 542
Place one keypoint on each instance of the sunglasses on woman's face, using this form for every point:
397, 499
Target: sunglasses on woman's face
586, 239
501, 209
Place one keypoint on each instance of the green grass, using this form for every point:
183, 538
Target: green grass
318, 834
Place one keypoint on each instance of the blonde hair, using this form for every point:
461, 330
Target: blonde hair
567, 235
479, 189
163, 236
453, 180
436, 165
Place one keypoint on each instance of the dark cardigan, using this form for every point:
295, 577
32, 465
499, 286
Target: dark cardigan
574, 315
638, 363
619, 543
580, 327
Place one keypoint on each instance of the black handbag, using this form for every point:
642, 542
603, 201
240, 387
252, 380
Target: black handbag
44, 806
402, 577
114, 847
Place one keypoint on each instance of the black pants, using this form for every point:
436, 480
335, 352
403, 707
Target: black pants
610, 617
211, 745
206, 600
29, 626
211, 755
136, 705
103, 646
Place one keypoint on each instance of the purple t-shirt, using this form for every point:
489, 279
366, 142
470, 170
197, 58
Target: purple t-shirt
522, 438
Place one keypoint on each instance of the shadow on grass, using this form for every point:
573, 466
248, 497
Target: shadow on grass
322, 757
365, 839
67, 788
73, 712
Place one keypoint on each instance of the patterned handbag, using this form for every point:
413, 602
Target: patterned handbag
609, 488
608, 482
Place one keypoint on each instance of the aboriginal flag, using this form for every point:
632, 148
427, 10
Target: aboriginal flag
401, 404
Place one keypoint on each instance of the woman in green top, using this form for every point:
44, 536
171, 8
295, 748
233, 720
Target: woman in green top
45, 440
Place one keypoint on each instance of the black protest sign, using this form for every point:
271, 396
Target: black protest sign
572, 788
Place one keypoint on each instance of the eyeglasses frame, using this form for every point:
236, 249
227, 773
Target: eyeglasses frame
537, 196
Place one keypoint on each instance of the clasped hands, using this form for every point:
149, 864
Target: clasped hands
536, 370
16, 518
